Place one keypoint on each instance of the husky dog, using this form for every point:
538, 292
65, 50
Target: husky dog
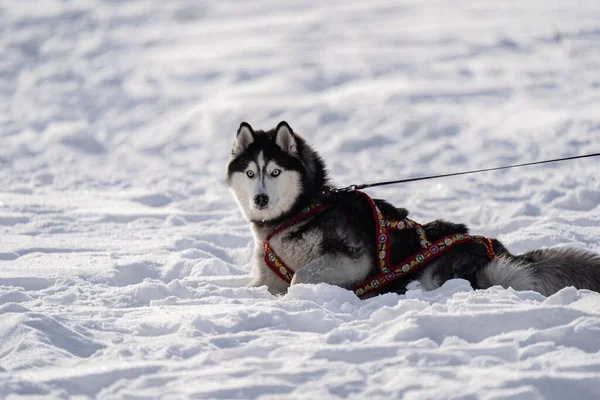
275, 174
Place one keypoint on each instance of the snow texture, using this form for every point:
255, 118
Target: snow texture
124, 258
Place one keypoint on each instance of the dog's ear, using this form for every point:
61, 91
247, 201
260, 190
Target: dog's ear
245, 136
285, 138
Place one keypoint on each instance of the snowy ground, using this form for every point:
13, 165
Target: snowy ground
123, 258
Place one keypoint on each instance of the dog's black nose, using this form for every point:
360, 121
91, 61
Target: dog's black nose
261, 200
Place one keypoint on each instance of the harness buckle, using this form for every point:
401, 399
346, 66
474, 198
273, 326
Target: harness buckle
327, 191
350, 188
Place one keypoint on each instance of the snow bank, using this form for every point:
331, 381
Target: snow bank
124, 260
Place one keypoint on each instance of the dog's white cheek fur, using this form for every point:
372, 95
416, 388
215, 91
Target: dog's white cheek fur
243, 189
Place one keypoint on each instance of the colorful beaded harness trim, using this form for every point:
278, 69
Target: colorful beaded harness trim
387, 273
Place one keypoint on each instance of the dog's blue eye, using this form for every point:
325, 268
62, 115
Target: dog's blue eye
276, 172
250, 174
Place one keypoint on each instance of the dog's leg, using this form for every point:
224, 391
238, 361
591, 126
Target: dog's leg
337, 270
265, 277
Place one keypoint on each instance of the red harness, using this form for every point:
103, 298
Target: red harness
387, 273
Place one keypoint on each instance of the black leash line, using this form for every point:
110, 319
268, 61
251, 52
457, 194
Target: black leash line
424, 178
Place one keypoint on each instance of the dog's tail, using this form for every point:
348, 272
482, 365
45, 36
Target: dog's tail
545, 271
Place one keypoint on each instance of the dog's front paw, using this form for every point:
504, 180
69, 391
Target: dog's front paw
256, 283
275, 290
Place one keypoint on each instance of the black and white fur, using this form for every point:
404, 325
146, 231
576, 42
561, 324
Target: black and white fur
274, 174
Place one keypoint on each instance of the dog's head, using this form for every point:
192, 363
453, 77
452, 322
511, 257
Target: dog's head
272, 172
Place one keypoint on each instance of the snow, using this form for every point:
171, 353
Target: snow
124, 259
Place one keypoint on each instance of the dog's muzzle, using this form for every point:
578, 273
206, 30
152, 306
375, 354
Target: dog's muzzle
261, 200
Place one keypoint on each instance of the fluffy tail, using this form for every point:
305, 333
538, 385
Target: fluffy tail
545, 271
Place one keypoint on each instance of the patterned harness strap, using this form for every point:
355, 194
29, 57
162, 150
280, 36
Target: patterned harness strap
430, 251
387, 273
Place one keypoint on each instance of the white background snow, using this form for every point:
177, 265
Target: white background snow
124, 258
